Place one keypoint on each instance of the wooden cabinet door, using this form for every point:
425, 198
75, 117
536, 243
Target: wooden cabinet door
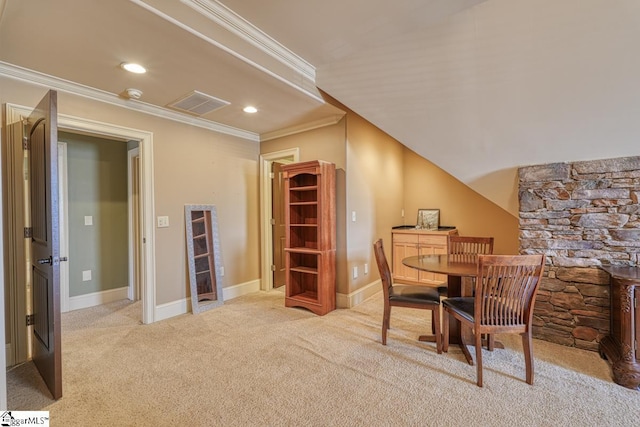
402, 250
432, 245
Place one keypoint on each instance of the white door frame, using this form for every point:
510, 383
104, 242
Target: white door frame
134, 290
63, 208
292, 154
68, 123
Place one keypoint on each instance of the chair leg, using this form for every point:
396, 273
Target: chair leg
435, 321
385, 322
445, 332
491, 342
528, 355
478, 337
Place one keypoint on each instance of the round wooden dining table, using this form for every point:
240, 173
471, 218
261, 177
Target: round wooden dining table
456, 267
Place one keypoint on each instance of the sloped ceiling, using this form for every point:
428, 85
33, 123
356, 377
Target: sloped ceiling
477, 87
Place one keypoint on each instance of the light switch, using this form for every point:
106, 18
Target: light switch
86, 275
355, 272
163, 221
366, 268
88, 220
353, 216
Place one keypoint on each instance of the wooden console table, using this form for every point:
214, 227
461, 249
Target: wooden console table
408, 242
622, 346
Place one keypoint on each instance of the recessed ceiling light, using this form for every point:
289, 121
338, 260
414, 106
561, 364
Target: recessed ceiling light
133, 68
249, 109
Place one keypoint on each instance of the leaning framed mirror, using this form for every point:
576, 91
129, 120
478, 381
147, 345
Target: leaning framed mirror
204, 258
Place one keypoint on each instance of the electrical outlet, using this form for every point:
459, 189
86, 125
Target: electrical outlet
366, 268
222, 271
353, 216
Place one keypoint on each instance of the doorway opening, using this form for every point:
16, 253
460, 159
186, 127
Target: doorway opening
99, 220
268, 254
17, 350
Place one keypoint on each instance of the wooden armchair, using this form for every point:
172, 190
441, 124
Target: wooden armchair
410, 296
505, 294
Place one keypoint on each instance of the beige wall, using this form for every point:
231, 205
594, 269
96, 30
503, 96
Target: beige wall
374, 193
326, 143
377, 178
371, 187
191, 165
426, 186
382, 178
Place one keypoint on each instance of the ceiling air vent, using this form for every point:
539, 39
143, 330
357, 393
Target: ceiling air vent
197, 103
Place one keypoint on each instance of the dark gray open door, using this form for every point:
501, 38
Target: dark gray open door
45, 242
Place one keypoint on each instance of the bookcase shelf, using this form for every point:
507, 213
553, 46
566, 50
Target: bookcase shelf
310, 235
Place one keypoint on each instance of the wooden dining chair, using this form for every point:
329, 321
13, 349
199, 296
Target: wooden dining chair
467, 248
505, 295
461, 246
410, 296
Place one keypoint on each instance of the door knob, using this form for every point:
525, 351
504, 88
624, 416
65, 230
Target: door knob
45, 261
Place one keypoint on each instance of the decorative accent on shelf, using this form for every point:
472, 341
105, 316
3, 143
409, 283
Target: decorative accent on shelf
428, 219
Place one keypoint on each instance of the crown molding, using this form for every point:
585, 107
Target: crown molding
229, 20
328, 121
34, 77
226, 18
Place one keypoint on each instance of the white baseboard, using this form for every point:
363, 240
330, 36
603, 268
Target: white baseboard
356, 297
236, 291
172, 309
176, 308
97, 298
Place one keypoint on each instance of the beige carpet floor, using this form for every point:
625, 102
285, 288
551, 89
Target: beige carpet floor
253, 362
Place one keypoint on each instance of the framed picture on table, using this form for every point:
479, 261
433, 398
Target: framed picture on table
428, 219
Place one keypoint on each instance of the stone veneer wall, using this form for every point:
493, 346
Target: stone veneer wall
581, 215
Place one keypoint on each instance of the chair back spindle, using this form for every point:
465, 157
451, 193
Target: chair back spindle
469, 245
507, 292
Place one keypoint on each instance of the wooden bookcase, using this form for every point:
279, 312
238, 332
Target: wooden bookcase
310, 236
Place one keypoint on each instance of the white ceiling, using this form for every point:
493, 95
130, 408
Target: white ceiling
200, 45
86, 40
478, 87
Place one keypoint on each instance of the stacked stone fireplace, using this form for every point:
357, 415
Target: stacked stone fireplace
581, 215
